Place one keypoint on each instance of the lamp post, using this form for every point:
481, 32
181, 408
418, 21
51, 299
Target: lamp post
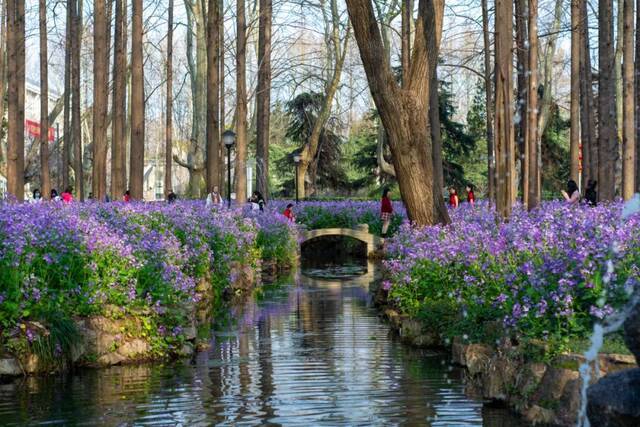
229, 139
296, 160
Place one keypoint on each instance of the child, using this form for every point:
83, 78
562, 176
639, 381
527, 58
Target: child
126, 197
453, 198
37, 197
54, 195
214, 197
471, 198
386, 211
288, 212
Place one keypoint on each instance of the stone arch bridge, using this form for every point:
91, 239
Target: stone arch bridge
360, 232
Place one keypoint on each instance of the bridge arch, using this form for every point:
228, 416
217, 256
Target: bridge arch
360, 233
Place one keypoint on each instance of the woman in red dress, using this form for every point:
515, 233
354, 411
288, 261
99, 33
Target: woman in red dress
471, 198
386, 211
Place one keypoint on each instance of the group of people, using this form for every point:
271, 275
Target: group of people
67, 196
454, 200
572, 194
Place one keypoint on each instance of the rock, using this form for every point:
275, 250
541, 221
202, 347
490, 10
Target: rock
9, 366
553, 384
110, 359
457, 351
190, 332
477, 357
498, 378
569, 403
529, 377
134, 348
186, 350
411, 330
32, 364
615, 400
538, 415
632, 332
106, 342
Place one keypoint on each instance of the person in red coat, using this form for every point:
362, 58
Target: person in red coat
386, 211
454, 201
288, 212
471, 198
126, 197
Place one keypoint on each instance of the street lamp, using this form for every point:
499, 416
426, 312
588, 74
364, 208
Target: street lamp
296, 160
229, 139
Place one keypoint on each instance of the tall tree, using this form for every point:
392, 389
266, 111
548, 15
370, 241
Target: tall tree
574, 143
100, 98
607, 137
532, 110
241, 104
168, 118
504, 131
136, 162
45, 178
337, 52
119, 104
15, 97
629, 142
522, 102
3, 72
263, 97
404, 112
488, 87
213, 94
66, 138
587, 103
221, 149
637, 95
76, 118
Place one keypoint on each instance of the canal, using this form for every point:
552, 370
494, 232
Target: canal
309, 351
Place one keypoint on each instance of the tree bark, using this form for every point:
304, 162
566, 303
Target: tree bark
533, 201
522, 103
404, 112
619, 48
213, 101
3, 74
607, 138
100, 99
45, 178
547, 68
574, 142
629, 143
488, 87
405, 33
16, 77
76, 118
136, 162
263, 98
241, 105
587, 111
119, 121
637, 95
221, 148
504, 131
168, 120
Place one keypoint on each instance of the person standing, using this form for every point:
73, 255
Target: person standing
386, 211
126, 197
572, 195
67, 195
37, 197
54, 195
471, 198
454, 201
214, 198
288, 212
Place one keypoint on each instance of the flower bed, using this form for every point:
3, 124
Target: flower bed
153, 262
544, 276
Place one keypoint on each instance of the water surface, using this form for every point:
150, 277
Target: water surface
310, 352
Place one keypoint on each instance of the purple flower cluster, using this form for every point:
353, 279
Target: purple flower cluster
541, 271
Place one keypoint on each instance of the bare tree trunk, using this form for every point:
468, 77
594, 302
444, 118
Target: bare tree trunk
213, 101
547, 68
66, 139
168, 120
637, 95
607, 137
488, 88
45, 178
618, 72
16, 76
587, 112
532, 109
100, 99
119, 122
407, 17
263, 100
3, 74
241, 105
629, 148
505, 145
523, 69
221, 148
76, 119
404, 112
136, 162
574, 144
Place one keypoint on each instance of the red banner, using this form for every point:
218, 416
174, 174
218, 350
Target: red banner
33, 130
